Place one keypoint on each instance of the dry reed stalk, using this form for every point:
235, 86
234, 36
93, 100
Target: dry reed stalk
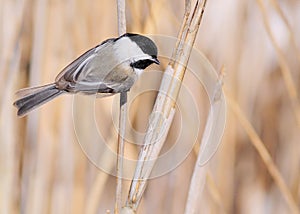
121, 17
31, 191
150, 24
50, 169
212, 187
11, 51
134, 7
283, 63
156, 9
79, 39
214, 191
120, 149
101, 178
122, 116
56, 118
163, 111
99, 183
231, 181
9, 46
156, 12
196, 189
288, 26
200, 169
8, 163
264, 154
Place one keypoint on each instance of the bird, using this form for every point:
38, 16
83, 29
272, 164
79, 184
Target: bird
109, 68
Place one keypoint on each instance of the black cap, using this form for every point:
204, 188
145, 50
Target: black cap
146, 44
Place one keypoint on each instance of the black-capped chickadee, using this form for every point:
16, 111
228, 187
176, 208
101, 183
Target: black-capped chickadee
109, 68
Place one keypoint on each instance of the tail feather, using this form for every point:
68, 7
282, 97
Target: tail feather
24, 92
35, 97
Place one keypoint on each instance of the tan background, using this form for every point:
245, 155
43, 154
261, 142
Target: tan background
42, 167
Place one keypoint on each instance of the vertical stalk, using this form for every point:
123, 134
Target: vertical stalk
163, 111
122, 116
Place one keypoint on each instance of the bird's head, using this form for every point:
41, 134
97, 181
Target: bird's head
139, 50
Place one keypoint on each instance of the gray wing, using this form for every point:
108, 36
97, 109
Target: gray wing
69, 72
88, 72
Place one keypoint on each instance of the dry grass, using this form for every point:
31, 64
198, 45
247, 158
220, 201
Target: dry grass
257, 167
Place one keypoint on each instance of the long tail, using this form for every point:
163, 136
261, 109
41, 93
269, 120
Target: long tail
32, 98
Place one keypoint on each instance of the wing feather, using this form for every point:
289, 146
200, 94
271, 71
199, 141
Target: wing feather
92, 72
71, 72
68, 72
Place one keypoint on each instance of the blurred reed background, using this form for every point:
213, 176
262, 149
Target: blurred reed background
42, 166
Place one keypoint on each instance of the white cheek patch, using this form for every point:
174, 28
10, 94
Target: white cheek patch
127, 52
125, 49
138, 71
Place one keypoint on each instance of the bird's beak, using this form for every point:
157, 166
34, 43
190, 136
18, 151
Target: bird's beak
155, 60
